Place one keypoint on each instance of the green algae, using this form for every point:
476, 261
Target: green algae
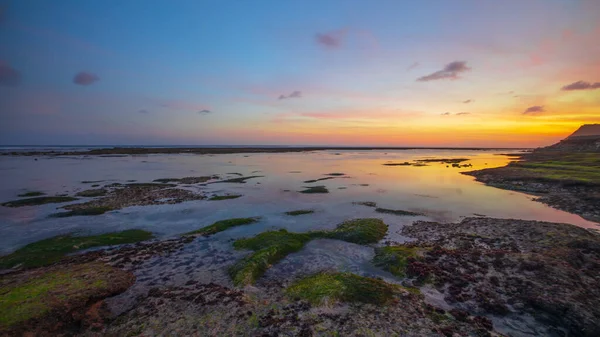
395, 258
222, 225
300, 212
51, 250
240, 180
319, 179
185, 180
31, 194
38, 201
272, 246
315, 189
86, 211
92, 193
269, 248
224, 197
39, 296
396, 212
365, 203
326, 288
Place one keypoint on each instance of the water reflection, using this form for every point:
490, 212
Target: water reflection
438, 190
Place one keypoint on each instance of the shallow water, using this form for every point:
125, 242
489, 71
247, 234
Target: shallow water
438, 191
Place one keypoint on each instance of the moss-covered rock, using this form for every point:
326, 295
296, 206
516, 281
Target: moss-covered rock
46, 302
395, 258
51, 250
84, 211
31, 194
315, 189
360, 231
270, 247
224, 197
92, 193
222, 225
327, 288
396, 212
300, 212
38, 201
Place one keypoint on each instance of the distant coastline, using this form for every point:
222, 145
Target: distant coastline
98, 150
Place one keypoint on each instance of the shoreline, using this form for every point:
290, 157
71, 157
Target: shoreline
536, 174
231, 150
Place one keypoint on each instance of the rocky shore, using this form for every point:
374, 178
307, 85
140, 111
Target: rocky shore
566, 181
479, 277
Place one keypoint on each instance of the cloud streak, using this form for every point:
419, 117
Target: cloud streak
331, 40
204, 112
293, 94
450, 71
85, 78
534, 109
468, 101
456, 114
9, 76
581, 85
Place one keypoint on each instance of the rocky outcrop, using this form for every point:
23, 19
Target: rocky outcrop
585, 139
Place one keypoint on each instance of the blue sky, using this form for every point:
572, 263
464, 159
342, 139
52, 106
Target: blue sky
212, 72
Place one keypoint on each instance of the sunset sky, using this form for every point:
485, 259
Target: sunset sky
511, 73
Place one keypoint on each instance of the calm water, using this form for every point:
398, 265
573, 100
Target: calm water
438, 191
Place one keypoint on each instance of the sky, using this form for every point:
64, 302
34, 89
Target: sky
473, 73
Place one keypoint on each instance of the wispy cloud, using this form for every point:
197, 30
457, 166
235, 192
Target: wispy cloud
143, 111
294, 94
450, 71
534, 109
204, 112
331, 40
85, 78
581, 85
456, 114
468, 101
412, 66
9, 76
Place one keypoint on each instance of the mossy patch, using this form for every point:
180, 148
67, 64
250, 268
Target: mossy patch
51, 250
315, 189
300, 212
38, 201
365, 203
360, 231
395, 258
396, 212
443, 160
92, 193
240, 180
146, 185
270, 247
31, 194
224, 197
87, 211
222, 225
319, 179
398, 164
35, 298
186, 180
326, 288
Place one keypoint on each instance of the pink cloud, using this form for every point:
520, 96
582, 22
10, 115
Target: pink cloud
331, 40
85, 78
450, 71
9, 76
